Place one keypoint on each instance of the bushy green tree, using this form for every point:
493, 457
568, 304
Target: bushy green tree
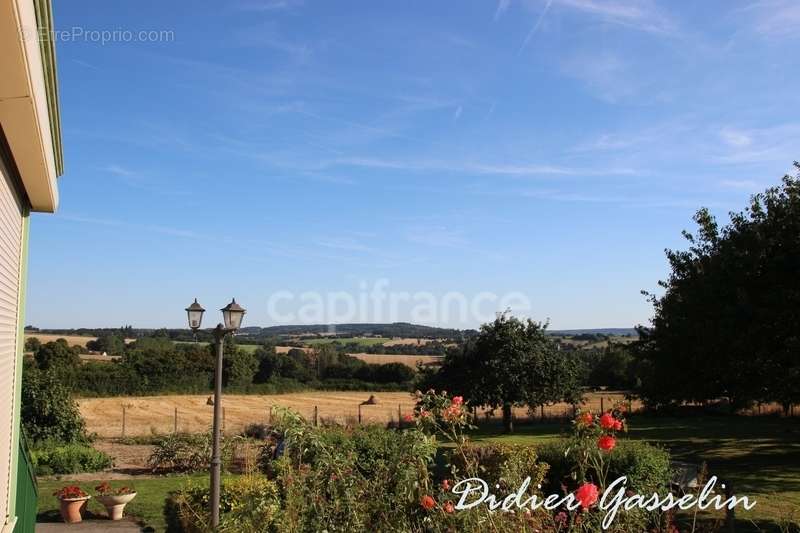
48, 411
57, 355
511, 363
728, 325
32, 344
239, 368
109, 344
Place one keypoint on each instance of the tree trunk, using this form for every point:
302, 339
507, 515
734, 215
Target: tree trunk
508, 419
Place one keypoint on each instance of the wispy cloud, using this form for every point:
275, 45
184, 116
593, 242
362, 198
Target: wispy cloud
536, 26
773, 18
642, 15
749, 185
734, 137
605, 74
269, 5
466, 167
349, 244
502, 7
436, 236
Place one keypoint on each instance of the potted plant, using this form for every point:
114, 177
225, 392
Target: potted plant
114, 500
73, 502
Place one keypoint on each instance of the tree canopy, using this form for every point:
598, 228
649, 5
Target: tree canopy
511, 363
728, 323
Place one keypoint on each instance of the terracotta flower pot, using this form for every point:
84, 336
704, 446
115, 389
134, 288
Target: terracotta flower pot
71, 509
115, 503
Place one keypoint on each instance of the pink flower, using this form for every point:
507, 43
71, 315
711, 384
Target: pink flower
587, 495
606, 443
607, 421
618, 425
446, 484
448, 507
458, 400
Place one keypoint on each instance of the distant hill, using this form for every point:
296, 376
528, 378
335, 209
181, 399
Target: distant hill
394, 329
601, 331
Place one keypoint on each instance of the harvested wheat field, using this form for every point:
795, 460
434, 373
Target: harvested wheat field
148, 415
72, 340
408, 360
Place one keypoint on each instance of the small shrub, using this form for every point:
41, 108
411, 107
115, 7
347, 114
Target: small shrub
257, 431
247, 504
68, 459
182, 452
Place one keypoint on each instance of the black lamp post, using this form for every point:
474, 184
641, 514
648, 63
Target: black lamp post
232, 315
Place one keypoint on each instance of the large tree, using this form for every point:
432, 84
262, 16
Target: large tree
511, 363
728, 323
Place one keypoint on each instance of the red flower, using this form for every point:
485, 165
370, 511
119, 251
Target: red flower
618, 425
607, 421
586, 418
427, 502
587, 495
458, 400
606, 443
408, 418
446, 484
448, 507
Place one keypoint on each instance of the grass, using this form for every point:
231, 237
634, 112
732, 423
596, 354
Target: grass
760, 456
245, 347
362, 341
147, 508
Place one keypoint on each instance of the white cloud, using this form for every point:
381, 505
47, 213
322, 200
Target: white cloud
740, 184
734, 137
773, 18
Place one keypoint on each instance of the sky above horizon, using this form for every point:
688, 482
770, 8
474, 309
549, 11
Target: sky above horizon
547, 151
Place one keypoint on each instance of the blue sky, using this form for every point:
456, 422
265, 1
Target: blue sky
548, 148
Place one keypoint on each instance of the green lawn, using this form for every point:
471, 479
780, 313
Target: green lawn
147, 507
760, 455
363, 341
246, 347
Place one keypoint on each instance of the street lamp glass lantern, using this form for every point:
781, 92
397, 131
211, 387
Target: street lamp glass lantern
195, 314
232, 315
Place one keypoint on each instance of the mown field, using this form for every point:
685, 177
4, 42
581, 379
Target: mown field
148, 415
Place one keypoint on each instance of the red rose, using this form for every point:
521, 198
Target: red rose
427, 502
446, 484
587, 495
606, 443
408, 418
448, 507
607, 421
586, 418
458, 400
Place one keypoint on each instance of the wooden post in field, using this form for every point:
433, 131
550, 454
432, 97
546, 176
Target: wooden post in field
359, 414
316, 416
223, 421
399, 417
602, 405
541, 412
175, 425
730, 512
123, 421
270, 415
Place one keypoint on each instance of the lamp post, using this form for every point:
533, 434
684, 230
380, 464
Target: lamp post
232, 315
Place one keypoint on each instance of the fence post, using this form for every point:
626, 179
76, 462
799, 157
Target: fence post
123, 421
316, 414
399, 416
359, 414
730, 512
223, 421
270, 415
175, 425
602, 405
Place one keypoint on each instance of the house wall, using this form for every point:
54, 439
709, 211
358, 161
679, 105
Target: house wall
13, 215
